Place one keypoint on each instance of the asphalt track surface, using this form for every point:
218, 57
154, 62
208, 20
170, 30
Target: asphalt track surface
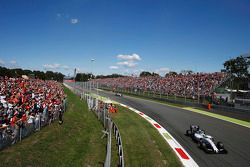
235, 138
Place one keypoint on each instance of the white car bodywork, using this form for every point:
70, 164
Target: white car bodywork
118, 94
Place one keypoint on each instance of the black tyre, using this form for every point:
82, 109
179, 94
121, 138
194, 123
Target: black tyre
188, 133
223, 151
203, 145
220, 145
199, 144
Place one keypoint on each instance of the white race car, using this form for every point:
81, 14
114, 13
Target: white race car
205, 142
118, 94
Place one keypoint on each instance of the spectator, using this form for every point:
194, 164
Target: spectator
28, 100
189, 85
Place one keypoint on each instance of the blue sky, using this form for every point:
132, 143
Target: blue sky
123, 36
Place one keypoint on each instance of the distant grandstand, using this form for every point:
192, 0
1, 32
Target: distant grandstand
190, 85
203, 87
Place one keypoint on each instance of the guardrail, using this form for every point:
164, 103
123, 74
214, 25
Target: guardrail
100, 108
119, 145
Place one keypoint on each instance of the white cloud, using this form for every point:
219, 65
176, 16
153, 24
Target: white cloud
74, 21
114, 67
133, 57
126, 61
12, 62
66, 67
129, 61
59, 15
58, 67
162, 71
52, 66
79, 70
129, 64
2, 62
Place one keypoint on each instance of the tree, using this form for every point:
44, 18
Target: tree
27, 72
18, 72
39, 74
109, 76
49, 75
185, 72
5, 72
155, 74
238, 69
83, 77
171, 73
145, 74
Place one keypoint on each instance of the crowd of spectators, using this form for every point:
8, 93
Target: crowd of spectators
25, 101
189, 85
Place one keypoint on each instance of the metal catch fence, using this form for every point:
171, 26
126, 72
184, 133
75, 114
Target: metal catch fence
100, 108
11, 134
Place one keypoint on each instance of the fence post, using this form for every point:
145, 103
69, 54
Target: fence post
108, 126
104, 117
20, 133
39, 124
109, 140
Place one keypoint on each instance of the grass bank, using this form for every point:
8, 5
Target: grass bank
75, 143
142, 144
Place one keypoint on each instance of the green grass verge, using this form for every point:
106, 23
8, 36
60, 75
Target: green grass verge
225, 118
75, 143
142, 144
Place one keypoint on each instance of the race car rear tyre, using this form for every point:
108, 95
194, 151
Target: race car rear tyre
199, 144
204, 147
220, 145
188, 132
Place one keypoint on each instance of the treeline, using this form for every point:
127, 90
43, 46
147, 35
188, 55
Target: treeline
109, 76
147, 74
83, 77
238, 68
18, 72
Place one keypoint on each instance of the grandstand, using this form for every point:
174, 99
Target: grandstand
191, 85
28, 103
199, 88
